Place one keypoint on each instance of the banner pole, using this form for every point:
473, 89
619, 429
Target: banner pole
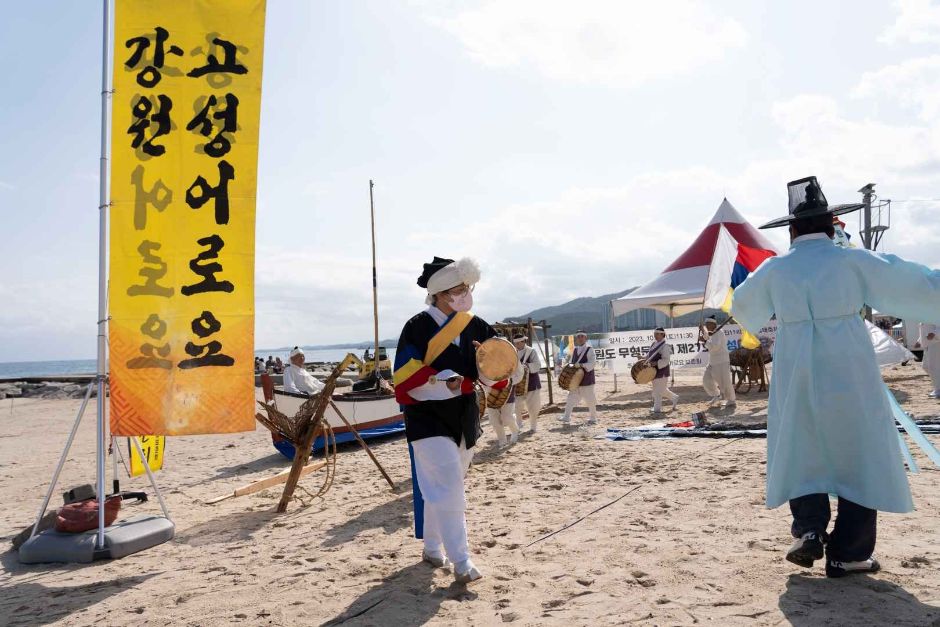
375, 288
102, 265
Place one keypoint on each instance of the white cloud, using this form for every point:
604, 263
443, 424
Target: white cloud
596, 41
5, 185
914, 83
918, 22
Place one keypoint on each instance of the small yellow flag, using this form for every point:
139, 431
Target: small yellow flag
153, 447
748, 339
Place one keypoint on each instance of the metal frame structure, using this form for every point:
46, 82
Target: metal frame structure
101, 373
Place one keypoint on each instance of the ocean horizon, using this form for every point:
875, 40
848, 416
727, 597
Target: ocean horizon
70, 367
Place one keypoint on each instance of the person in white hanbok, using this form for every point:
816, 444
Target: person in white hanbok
717, 378
658, 356
532, 400
582, 356
502, 418
297, 379
930, 342
830, 428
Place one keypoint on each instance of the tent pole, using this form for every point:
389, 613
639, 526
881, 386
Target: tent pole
102, 371
672, 325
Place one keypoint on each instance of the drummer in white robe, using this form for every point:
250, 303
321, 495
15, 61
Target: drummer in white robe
297, 379
930, 341
583, 357
502, 418
532, 400
658, 356
717, 378
830, 426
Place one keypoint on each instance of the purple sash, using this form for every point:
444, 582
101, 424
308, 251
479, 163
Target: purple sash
588, 374
653, 355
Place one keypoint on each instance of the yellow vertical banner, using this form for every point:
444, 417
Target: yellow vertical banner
153, 447
184, 154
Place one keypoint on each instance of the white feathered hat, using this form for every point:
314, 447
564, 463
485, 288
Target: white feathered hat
442, 274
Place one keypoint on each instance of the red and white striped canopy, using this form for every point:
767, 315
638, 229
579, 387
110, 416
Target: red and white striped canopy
680, 288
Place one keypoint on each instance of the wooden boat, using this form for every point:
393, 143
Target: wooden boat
373, 415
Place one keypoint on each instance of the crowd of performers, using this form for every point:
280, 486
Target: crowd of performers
830, 427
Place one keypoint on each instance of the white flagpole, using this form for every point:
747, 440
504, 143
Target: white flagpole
102, 370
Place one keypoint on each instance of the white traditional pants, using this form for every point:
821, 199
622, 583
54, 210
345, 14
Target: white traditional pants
660, 390
531, 403
717, 381
931, 363
441, 467
502, 419
585, 393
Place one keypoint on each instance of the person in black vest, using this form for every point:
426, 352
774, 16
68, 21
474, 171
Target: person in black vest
435, 368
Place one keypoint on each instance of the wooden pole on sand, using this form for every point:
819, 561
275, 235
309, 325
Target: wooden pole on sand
363, 444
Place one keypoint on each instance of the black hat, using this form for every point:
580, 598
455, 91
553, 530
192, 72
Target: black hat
439, 263
659, 330
807, 201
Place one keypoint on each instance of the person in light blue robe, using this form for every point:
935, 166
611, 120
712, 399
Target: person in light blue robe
830, 428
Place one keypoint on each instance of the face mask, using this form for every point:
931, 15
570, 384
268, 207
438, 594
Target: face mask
463, 302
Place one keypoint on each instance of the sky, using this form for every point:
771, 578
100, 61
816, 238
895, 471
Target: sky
573, 149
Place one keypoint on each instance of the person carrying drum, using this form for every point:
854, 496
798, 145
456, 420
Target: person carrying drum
717, 378
501, 400
531, 401
658, 357
435, 368
582, 357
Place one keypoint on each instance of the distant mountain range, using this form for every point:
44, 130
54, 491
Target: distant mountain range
588, 314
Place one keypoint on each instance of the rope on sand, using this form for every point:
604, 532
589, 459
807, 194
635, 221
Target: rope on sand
627, 493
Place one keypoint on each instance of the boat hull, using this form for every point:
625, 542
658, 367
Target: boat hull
372, 416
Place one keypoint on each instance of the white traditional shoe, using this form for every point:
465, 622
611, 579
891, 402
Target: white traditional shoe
465, 572
513, 438
590, 422
565, 420
675, 401
435, 559
731, 404
806, 549
712, 400
841, 569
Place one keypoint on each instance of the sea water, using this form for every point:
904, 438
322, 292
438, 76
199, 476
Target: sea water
13, 370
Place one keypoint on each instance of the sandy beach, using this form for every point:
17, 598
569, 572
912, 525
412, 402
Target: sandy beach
674, 533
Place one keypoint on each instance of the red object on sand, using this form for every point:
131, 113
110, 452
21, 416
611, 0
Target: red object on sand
83, 515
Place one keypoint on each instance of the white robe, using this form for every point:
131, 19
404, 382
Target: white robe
931, 361
299, 381
532, 401
717, 377
830, 428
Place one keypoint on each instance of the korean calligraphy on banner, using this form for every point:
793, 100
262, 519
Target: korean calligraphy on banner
185, 117
619, 351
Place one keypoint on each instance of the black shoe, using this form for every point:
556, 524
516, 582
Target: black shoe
841, 569
807, 549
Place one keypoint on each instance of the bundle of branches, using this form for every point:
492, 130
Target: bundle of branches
291, 428
304, 429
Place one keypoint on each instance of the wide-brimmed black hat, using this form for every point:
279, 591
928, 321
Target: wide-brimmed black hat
806, 201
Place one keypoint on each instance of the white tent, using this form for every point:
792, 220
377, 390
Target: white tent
680, 288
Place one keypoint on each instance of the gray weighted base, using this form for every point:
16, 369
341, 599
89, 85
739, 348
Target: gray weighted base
120, 540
